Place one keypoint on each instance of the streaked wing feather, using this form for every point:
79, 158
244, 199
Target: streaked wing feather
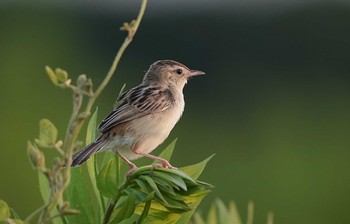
136, 103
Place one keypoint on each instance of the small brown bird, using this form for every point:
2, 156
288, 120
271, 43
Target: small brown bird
144, 115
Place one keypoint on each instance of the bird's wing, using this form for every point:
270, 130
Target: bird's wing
138, 102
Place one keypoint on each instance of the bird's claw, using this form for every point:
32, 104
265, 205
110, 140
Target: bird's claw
133, 168
164, 164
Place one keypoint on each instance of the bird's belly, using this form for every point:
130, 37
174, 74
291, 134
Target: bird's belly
159, 124
147, 132
156, 127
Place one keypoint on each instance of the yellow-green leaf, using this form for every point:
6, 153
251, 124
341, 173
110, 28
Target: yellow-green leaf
4, 211
168, 151
44, 187
78, 193
61, 74
195, 170
124, 210
47, 133
91, 163
51, 75
107, 179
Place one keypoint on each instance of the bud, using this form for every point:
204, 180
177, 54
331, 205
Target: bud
89, 89
61, 74
36, 157
81, 81
70, 211
51, 75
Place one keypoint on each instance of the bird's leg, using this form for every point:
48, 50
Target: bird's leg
132, 165
164, 162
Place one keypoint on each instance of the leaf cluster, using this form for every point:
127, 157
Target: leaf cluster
219, 213
103, 194
8, 215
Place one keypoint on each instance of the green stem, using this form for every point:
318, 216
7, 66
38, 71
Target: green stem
33, 214
76, 122
127, 41
112, 204
110, 209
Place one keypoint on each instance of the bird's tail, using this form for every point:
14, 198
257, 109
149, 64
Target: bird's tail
82, 155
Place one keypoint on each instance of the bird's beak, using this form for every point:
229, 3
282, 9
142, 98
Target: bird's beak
195, 73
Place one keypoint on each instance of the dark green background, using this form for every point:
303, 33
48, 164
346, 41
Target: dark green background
274, 106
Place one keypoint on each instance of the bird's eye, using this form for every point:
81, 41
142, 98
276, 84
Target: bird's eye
179, 71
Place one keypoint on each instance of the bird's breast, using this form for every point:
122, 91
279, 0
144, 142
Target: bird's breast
160, 124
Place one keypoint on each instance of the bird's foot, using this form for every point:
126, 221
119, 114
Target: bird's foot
164, 164
133, 168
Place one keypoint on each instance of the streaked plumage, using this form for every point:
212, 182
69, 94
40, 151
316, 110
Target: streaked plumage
144, 115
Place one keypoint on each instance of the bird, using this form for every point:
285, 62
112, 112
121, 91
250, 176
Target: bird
144, 116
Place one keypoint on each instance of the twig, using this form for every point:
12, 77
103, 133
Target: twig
78, 118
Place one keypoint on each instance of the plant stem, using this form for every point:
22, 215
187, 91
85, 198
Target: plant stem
110, 209
127, 41
33, 214
76, 122
112, 203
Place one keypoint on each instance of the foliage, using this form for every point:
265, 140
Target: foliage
219, 213
98, 191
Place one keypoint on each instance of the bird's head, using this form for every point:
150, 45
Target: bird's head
169, 72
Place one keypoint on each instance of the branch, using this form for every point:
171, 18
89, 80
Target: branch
79, 117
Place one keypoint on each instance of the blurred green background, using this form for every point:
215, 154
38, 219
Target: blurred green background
274, 106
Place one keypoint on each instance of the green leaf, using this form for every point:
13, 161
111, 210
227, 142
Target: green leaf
81, 198
143, 186
47, 134
157, 215
144, 207
91, 163
107, 180
124, 210
195, 201
51, 75
197, 218
145, 211
212, 216
250, 213
4, 211
196, 170
164, 183
222, 212
44, 187
234, 216
177, 194
121, 167
61, 74
176, 181
14, 214
168, 151
154, 187
179, 173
